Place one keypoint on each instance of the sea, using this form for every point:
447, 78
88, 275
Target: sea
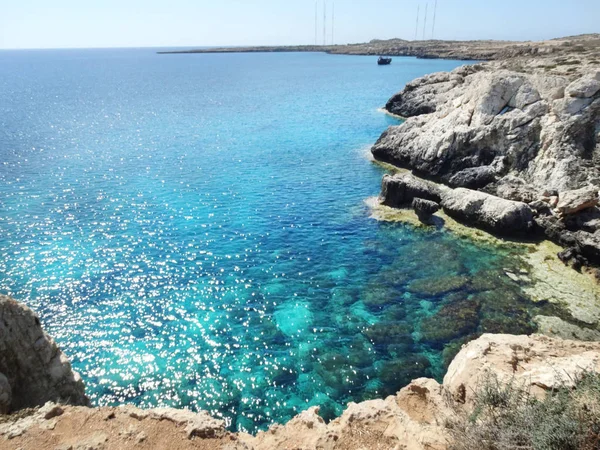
193, 231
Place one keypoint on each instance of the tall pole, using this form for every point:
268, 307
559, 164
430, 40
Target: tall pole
332, 23
425, 23
417, 26
434, 14
316, 23
324, 22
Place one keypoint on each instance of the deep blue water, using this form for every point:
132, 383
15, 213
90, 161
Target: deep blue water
192, 231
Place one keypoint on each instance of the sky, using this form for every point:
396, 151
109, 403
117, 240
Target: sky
183, 23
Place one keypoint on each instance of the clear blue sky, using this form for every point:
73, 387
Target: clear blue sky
140, 23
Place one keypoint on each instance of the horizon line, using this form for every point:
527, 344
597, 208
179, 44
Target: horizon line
288, 45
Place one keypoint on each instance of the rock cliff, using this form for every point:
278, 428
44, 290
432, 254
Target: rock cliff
33, 370
486, 127
525, 130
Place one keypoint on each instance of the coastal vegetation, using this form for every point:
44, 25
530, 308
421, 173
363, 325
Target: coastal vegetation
508, 416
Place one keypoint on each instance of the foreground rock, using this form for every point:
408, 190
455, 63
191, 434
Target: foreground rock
414, 419
33, 370
70, 427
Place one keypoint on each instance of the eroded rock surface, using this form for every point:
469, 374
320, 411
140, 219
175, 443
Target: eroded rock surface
517, 129
541, 362
33, 369
492, 122
70, 427
487, 211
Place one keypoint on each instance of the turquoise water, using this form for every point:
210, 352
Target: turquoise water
192, 231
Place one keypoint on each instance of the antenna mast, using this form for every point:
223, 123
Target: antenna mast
316, 21
434, 14
417, 26
325, 22
425, 23
332, 22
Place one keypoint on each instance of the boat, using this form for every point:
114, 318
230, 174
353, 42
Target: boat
382, 61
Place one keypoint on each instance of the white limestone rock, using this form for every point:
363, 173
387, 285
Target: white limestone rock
487, 211
585, 87
538, 127
539, 362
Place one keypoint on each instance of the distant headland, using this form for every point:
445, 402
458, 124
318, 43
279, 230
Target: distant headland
465, 50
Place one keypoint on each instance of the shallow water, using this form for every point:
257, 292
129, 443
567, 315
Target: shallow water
192, 231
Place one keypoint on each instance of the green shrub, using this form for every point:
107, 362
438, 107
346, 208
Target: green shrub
510, 417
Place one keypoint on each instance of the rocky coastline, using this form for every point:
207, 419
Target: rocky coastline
509, 146
416, 418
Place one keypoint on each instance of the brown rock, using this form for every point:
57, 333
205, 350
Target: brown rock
571, 202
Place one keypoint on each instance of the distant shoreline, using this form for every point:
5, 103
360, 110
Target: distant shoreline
481, 50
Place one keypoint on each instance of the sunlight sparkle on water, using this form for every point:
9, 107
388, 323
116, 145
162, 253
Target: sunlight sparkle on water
193, 233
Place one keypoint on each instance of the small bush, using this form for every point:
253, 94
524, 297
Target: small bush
510, 417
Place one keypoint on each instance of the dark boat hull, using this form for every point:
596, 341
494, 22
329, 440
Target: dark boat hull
384, 61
